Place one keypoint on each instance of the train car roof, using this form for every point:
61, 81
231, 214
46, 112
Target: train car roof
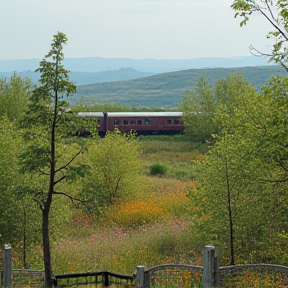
131, 114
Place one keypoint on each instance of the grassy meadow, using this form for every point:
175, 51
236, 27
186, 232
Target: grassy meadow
150, 227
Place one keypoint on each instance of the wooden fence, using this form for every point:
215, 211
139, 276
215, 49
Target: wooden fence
104, 278
163, 276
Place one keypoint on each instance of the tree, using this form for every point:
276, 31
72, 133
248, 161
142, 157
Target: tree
114, 162
49, 154
10, 210
274, 11
200, 105
14, 93
260, 124
224, 199
245, 176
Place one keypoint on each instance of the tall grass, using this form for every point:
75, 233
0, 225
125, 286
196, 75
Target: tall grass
174, 152
120, 249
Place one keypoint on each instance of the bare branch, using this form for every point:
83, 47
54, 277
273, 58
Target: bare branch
39, 202
40, 171
259, 54
273, 24
69, 162
59, 180
73, 199
273, 181
271, 13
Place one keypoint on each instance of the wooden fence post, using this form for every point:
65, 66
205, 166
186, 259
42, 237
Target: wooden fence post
7, 277
140, 276
211, 276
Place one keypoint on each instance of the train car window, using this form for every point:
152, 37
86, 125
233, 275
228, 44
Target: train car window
176, 121
139, 122
125, 122
147, 121
169, 122
117, 122
133, 122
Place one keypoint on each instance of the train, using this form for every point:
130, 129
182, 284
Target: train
143, 123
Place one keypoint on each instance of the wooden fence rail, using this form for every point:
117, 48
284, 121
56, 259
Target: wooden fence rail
106, 278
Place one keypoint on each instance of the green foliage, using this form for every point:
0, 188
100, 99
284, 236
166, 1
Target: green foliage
48, 155
20, 221
10, 210
14, 93
114, 162
246, 174
158, 169
223, 201
200, 105
275, 12
103, 107
46, 126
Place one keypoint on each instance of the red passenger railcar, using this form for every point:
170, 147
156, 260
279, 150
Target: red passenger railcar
143, 123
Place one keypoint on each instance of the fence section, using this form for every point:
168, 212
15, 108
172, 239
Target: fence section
28, 278
162, 276
104, 278
172, 275
254, 275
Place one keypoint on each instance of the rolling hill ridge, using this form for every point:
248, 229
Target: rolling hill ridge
165, 90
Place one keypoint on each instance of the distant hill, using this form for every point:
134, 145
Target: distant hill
98, 64
123, 81
166, 89
82, 78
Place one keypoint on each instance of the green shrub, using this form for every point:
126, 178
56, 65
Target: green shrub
158, 169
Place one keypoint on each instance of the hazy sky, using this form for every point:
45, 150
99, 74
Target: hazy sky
159, 29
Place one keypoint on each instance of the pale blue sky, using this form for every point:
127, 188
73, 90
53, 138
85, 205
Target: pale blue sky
139, 29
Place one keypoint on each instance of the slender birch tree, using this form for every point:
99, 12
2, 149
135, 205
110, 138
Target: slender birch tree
49, 155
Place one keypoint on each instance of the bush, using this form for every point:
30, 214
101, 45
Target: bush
158, 169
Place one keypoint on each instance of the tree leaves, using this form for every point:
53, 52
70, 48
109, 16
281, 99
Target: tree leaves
247, 167
276, 13
45, 130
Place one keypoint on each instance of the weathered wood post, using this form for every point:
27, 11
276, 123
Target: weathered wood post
140, 276
211, 276
7, 277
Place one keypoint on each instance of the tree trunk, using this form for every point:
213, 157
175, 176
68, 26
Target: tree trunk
232, 258
231, 229
46, 247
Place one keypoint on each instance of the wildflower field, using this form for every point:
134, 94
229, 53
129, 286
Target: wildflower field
150, 227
